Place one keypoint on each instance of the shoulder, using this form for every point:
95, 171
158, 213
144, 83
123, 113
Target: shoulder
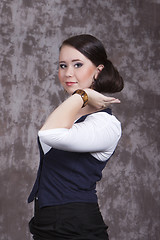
104, 122
102, 116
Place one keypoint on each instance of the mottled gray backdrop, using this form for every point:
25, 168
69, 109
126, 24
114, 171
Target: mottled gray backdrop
30, 34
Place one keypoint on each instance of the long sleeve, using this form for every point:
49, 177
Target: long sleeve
98, 134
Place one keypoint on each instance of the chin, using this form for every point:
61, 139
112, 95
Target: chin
71, 90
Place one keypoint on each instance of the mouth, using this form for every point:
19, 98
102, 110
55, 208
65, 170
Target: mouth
70, 83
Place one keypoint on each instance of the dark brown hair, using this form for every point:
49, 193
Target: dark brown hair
109, 79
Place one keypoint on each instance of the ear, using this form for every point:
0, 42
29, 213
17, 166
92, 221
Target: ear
99, 69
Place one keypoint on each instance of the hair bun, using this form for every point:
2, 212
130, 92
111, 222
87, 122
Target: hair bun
109, 79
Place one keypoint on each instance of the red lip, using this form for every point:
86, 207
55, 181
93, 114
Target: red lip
70, 83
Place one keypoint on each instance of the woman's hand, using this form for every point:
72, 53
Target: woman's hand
98, 100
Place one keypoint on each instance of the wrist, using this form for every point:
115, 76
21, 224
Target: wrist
83, 95
89, 93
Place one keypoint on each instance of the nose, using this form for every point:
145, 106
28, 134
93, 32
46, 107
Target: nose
69, 71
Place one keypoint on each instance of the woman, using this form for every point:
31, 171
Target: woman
75, 143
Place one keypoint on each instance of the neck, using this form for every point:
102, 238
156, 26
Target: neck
88, 109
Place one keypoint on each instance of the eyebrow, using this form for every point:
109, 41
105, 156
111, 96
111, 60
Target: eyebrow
74, 60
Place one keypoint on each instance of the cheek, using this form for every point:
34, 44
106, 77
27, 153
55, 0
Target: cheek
60, 76
86, 78
88, 75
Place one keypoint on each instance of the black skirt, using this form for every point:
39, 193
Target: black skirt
74, 221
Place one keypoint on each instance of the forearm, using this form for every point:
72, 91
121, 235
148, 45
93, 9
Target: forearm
64, 115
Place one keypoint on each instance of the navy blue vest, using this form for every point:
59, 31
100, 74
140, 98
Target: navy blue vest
65, 177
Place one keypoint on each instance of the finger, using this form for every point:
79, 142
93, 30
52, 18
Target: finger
108, 99
115, 101
112, 100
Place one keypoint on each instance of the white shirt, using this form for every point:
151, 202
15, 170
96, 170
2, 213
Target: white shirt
98, 134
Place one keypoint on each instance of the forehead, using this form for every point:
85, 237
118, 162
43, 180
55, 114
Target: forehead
68, 53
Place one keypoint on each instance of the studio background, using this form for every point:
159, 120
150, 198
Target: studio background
30, 35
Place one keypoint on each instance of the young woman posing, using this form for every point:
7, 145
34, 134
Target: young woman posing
75, 143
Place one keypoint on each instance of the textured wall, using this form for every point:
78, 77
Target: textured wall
31, 32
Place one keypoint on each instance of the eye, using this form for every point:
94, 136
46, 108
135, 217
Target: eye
78, 65
62, 65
